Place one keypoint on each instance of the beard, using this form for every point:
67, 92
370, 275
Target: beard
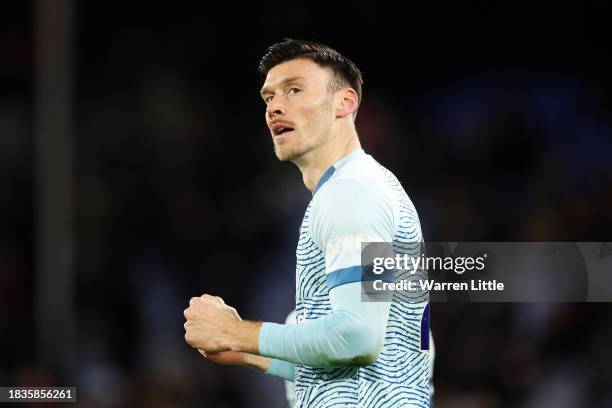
288, 153
293, 149
314, 134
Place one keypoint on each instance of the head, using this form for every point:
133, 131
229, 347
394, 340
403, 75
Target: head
310, 90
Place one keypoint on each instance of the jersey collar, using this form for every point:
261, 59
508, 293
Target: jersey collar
329, 172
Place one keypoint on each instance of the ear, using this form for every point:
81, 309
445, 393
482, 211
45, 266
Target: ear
347, 102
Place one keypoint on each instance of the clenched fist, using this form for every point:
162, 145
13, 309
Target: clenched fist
211, 325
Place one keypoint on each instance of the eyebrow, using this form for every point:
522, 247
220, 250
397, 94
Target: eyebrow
266, 89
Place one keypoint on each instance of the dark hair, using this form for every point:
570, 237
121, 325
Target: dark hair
345, 72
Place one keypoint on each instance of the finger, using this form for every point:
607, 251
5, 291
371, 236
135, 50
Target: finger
208, 298
212, 298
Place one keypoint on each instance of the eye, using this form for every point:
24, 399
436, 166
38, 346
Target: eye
294, 90
267, 99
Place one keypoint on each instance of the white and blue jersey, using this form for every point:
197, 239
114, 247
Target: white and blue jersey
357, 200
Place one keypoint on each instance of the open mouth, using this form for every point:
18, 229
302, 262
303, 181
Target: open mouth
281, 129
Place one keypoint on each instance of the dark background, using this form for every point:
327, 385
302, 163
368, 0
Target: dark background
495, 117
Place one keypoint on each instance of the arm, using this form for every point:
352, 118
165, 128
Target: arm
236, 358
276, 368
353, 334
282, 369
342, 338
342, 217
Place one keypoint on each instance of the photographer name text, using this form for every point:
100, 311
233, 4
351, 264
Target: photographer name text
473, 285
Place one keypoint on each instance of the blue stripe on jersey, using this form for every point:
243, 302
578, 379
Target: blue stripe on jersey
326, 176
356, 274
344, 275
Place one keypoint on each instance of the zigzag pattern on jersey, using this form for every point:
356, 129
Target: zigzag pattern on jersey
312, 299
400, 376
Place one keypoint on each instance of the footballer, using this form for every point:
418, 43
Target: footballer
343, 352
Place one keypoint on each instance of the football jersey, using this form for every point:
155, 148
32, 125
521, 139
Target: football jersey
378, 209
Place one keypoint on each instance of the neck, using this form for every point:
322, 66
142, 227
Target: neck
315, 163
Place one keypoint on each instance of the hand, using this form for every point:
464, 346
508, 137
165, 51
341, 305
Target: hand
225, 357
211, 324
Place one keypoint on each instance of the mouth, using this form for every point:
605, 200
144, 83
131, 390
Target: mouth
281, 129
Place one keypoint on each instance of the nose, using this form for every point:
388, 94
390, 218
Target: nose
275, 108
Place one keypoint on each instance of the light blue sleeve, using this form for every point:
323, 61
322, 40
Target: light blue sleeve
344, 214
352, 335
282, 369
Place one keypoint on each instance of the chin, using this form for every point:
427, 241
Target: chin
287, 154
284, 156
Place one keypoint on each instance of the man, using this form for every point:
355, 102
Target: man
343, 351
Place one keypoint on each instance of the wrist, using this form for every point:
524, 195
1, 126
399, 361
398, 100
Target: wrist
244, 337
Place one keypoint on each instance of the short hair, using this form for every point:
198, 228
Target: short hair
344, 71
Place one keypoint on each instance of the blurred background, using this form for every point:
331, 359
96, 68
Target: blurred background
136, 171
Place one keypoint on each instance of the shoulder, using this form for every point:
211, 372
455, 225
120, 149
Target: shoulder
346, 187
348, 205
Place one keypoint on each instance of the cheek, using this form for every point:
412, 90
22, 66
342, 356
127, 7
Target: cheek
314, 112
311, 118
319, 115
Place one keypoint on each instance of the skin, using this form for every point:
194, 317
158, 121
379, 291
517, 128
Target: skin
297, 95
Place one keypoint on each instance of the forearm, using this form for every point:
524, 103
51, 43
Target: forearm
352, 335
341, 339
257, 362
277, 368
274, 367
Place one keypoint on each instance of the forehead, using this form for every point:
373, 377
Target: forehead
302, 68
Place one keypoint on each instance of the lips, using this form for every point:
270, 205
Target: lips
280, 128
